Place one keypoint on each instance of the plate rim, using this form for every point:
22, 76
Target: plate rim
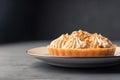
48, 56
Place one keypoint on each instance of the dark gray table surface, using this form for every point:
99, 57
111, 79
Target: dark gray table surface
15, 64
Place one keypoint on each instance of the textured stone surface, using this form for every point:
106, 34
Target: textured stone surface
15, 64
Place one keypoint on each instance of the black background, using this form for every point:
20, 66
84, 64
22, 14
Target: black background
23, 20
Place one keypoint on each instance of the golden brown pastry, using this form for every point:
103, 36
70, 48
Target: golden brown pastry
81, 44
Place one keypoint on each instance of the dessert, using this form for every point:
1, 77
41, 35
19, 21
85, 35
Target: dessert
81, 44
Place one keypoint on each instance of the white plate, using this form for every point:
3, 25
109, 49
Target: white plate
41, 53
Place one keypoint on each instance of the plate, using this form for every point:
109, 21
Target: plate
41, 53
